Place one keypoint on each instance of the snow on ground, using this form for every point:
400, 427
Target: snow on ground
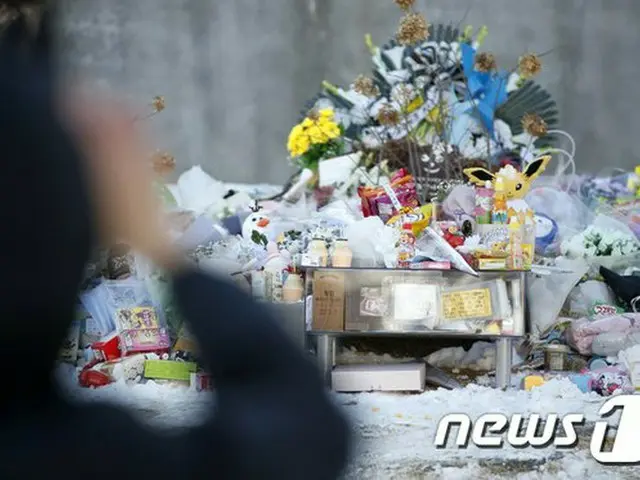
480, 357
396, 431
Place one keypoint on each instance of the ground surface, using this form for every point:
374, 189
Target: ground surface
396, 432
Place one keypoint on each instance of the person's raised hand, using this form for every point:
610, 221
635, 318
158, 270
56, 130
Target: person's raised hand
121, 177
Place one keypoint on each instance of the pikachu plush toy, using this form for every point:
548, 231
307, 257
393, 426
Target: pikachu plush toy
516, 184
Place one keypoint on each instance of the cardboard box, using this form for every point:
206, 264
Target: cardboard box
328, 301
405, 377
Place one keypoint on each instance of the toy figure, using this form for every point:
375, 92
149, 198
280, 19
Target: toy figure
516, 184
255, 223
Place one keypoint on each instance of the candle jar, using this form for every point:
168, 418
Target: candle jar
342, 254
555, 357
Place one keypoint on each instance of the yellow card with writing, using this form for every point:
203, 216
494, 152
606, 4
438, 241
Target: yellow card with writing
467, 304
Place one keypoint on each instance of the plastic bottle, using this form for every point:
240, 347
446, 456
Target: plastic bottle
275, 271
342, 255
293, 288
317, 254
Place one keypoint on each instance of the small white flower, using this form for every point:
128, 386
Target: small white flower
403, 94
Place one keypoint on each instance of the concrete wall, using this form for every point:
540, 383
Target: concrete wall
236, 73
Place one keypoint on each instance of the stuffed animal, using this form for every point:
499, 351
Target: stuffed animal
516, 184
256, 222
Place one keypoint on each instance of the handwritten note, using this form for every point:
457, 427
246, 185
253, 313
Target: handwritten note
467, 304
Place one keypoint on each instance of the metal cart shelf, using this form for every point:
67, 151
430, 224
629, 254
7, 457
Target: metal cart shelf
505, 291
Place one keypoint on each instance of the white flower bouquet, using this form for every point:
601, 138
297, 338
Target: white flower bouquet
597, 241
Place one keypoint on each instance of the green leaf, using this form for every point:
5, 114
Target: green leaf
259, 238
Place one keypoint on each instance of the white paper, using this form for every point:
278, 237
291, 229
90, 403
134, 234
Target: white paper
335, 171
415, 302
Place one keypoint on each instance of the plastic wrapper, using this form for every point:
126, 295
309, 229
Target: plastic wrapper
460, 205
376, 201
611, 381
199, 192
583, 332
432, 245
627, 213
584, 296
596, 190
547, 293
567, 211
372, 243
630, 358
612, 343
95, 303
139, 321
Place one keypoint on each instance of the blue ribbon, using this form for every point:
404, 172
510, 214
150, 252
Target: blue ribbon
487, 90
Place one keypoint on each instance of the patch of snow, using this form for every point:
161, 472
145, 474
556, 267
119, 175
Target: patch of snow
481, 357
396, 431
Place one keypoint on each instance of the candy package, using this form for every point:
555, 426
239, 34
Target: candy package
376, 200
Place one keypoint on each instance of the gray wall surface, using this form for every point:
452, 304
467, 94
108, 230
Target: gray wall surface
236, 73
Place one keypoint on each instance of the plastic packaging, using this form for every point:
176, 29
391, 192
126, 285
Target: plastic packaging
94, 302
582, 333
546, 294
630, 358
584, 296
610, 344
459, 205
611, 381
433, 246
567, 211
140, 323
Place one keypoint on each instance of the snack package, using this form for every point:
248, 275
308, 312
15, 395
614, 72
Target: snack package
419, 218
376, 200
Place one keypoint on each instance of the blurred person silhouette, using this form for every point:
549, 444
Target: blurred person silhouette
74, 175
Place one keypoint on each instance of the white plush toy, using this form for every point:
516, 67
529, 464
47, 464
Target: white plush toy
255, 222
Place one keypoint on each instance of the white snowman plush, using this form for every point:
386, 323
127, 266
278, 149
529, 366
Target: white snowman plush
255, 222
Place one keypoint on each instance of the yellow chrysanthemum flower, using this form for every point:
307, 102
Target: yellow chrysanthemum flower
300, 146
298, 142
326, 113
332, 131
317, 134
307, 122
